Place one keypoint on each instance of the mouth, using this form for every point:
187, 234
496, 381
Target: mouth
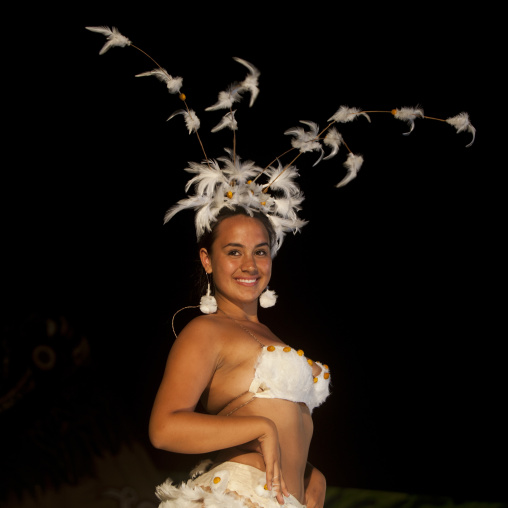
247, 282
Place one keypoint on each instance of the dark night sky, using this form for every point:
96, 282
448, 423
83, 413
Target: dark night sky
391, 282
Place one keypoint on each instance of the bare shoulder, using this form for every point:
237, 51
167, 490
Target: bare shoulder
206, 330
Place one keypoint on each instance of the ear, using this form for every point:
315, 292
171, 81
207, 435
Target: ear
205, 260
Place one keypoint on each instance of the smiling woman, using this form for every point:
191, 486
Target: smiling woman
239, 260
257, 391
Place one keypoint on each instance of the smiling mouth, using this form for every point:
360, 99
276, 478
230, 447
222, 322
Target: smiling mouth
247, 281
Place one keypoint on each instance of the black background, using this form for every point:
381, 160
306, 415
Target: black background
397, 280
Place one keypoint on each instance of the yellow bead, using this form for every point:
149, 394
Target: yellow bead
315, 380
394, 112
326, 375
287, 349
270, 348
325, 367
229, 194
266, 486
263, 203
309, 361
216, 479
182, 97
300, 352
249, 182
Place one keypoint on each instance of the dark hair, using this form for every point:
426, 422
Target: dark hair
207, 239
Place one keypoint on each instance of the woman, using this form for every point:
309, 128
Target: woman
258, 392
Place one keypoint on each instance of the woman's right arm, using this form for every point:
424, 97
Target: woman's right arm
175, 426
191, 364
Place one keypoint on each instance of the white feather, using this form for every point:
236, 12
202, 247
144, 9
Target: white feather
333, 139
345, 114
462, 123
207, 214
287, 207
115, 38
228, 120
250, 83
191, 120
353, 164
408, 115
173, 84
283, 179
208, 176
306, 141
238, 170
227, 98
200, 468
184, 204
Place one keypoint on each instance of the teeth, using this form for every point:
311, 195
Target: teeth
246, 280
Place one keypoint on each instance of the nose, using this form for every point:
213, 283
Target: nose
249, 264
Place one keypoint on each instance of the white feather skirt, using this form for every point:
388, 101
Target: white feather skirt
226, 485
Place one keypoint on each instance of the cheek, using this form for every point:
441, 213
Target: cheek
224, 266
266, 266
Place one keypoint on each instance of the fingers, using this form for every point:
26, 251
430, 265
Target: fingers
276, 484
272, 458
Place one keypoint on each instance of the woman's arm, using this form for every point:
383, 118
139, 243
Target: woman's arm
175, 426
315, 487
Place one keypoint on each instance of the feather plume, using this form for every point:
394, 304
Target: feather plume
288, 206
173, 84
237, 170
191, 120
207, 214
283, 179
200, 468
229, 185
250, 83
208, 176
345, 114
408, 115
184, 204
306, 141
353, 164
227, 98
333, 139
228, 120
114, 37
461, 123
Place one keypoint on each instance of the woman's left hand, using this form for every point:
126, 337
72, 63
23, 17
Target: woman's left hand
315, 488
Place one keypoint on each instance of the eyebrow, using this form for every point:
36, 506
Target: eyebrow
233, 244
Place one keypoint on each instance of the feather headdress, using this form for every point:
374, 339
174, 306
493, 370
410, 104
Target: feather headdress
229, 182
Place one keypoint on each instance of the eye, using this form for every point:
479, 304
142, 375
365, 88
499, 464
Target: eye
233, 252
262, 252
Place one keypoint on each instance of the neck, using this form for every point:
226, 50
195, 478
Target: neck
246, 312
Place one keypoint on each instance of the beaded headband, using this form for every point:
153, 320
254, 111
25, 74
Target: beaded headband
229, 182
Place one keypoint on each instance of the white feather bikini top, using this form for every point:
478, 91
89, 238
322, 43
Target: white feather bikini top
282, 372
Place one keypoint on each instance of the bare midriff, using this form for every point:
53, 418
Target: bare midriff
294, 426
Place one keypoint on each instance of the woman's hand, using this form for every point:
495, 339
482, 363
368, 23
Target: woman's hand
270, 449
315, 487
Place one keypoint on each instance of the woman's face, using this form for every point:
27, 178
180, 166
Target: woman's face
239, 260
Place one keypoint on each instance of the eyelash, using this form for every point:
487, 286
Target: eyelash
260, 252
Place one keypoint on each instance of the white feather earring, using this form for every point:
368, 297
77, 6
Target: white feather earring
208, 303
267, 298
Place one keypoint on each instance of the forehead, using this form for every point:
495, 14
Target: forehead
242, 229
